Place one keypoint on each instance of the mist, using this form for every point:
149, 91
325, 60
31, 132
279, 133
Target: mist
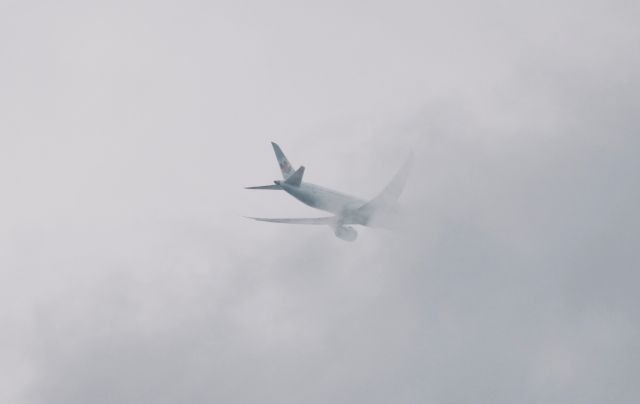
129, 274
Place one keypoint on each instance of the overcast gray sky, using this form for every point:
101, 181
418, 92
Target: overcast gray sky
128, 130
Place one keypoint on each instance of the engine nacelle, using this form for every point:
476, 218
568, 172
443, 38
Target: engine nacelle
346, 233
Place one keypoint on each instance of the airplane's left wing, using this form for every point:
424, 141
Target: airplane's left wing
315, 220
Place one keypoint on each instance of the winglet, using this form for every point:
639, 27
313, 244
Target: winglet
295, 179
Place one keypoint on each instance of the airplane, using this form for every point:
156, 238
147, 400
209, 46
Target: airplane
382, 211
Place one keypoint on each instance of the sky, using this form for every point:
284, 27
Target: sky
128, 131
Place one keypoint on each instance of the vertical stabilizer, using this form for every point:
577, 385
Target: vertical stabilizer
284, 164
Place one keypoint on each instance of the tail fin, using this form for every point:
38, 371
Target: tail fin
295, 179
284, 164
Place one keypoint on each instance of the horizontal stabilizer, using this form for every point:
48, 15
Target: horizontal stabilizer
315, 220
276, 187
296, 178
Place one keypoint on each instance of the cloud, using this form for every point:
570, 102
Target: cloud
129, 275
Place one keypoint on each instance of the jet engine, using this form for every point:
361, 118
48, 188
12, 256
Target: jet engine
346, 233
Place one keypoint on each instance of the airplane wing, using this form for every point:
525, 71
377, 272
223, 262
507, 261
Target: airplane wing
314, 220
392, 191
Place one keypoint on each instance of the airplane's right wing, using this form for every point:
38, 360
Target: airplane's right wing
392, 191
315, 220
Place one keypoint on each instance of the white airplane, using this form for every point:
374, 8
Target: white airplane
381, 211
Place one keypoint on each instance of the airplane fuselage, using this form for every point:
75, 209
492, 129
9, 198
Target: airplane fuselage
326, 199
345, 207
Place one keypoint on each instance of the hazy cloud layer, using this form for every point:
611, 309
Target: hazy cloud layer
127, 131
